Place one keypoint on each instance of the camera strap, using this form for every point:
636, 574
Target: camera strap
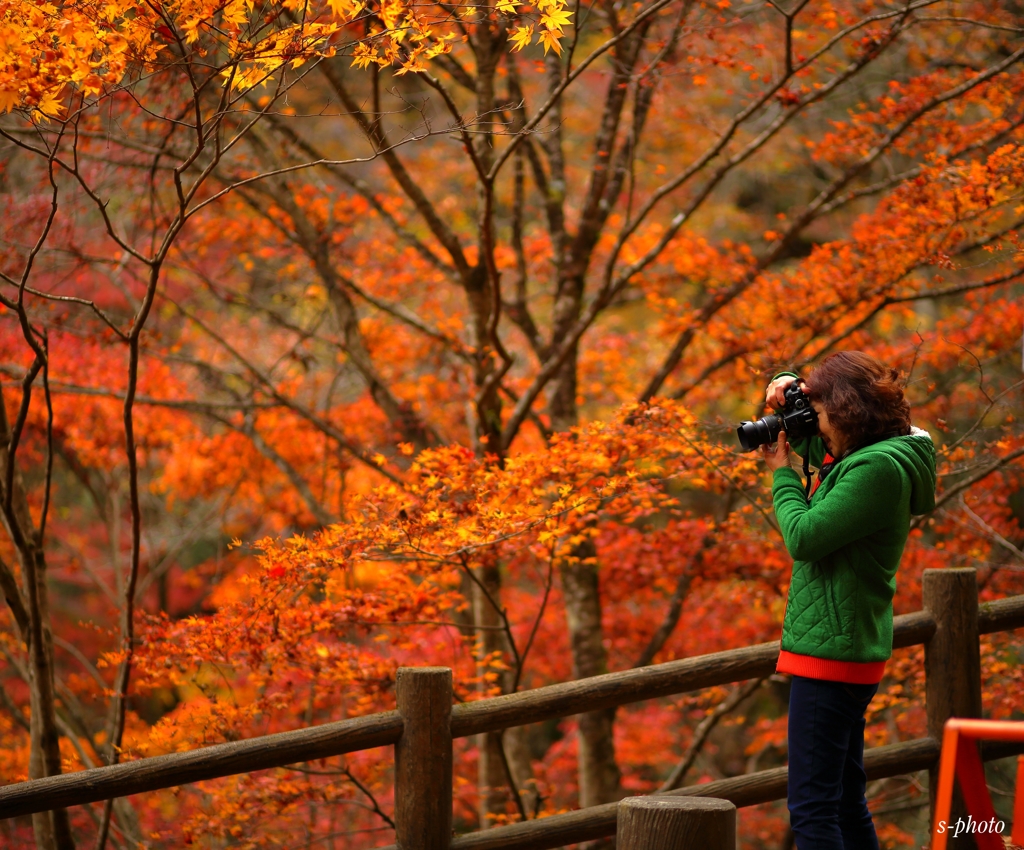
826, 468
807, 475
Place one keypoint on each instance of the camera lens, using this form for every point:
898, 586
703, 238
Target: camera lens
754, 434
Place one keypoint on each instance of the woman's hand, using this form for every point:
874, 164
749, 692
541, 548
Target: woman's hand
776, 455
774, 396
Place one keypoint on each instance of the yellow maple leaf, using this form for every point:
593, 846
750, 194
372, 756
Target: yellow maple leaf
235, 13
49, 107
507, 6
437, 49
191, 30
364, 55
410, 66
345, 9
391, 12
9, 99
554, 19
549, 38
522, 37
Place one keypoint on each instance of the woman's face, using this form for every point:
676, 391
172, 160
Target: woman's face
833, 439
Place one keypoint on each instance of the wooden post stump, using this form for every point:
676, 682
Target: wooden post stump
676, 823
423, 759
952, 668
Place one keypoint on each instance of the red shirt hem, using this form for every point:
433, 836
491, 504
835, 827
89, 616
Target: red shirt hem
851, 672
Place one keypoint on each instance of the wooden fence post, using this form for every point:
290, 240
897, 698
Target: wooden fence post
952, 668
675, 823
423, 759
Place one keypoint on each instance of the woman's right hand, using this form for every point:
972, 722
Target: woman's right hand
774, 396
776, 455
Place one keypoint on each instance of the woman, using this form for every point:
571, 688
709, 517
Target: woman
846, 540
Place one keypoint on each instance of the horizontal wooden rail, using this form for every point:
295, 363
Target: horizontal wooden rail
748, 790
658, 680
552, 701
614, 689
134, 777
1002, 615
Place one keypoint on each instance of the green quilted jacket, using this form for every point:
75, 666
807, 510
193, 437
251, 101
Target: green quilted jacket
847, 543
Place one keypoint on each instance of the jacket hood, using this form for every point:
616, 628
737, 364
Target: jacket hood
915, 455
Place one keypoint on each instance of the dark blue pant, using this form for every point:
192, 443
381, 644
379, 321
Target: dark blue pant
827, 809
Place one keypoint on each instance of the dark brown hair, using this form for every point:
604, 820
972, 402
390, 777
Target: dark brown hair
862, 396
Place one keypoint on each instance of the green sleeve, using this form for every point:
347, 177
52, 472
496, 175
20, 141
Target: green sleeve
812, 448
862, 501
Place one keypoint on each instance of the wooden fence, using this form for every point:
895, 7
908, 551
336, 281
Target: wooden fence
425, 722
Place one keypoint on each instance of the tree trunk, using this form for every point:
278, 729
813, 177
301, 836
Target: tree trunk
491, 773
598, 773
599, 776
30, 606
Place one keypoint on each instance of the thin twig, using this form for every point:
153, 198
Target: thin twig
700, 734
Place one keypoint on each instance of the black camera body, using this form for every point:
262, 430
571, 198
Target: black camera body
797, 418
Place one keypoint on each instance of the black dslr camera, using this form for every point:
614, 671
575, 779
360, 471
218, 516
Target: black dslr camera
797, 418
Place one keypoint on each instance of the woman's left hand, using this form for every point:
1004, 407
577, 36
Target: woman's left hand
776, 455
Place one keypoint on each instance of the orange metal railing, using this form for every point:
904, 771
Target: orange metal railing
960, 759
